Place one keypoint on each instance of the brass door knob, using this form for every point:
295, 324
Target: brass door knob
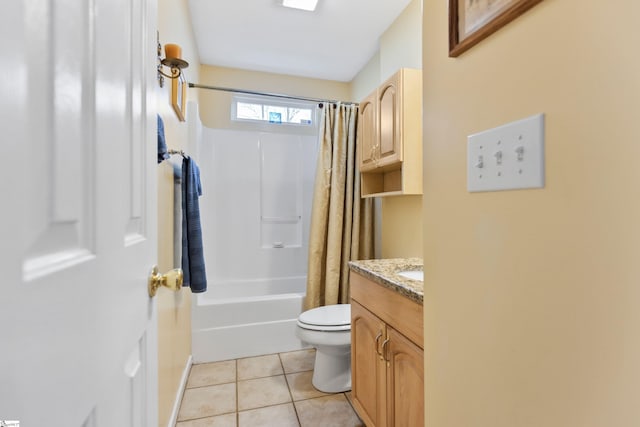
172, 280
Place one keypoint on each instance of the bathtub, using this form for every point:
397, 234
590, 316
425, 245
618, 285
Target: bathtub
237, 319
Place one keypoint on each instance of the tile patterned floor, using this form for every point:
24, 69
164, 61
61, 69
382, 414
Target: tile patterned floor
264, 391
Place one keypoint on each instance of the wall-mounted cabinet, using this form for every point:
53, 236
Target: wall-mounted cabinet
390, 136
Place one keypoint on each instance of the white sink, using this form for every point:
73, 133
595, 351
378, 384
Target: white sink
412, 274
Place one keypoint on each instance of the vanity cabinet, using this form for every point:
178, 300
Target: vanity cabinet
390, 136
386, 355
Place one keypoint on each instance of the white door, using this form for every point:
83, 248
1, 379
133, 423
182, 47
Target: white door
78, 213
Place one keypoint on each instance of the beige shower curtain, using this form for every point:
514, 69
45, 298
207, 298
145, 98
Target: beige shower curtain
341, 222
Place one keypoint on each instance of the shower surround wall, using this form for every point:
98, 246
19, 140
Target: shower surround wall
255, 214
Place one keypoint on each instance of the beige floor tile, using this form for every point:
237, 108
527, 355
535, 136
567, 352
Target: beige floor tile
207, 401
301, 387
205, 374
227, 420
332, 410
298, 361
271, 416
262, 392
259, 367
213, 396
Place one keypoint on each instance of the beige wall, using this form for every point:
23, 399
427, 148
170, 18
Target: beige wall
401, 227
401, 44
532, 297
367, 79
174, 310
400, 47
215, 105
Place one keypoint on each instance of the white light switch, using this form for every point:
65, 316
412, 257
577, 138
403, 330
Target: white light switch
507, 157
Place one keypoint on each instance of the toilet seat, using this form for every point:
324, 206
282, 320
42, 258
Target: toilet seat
331, 318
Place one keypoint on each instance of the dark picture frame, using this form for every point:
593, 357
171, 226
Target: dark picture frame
471, 21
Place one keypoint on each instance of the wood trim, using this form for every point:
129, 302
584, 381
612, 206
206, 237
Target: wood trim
457, 46
173, 419
411, 106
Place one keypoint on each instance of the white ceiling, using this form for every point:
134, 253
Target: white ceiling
332, 43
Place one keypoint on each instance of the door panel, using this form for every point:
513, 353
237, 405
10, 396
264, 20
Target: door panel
405, 393
60, 100
135, 149
369, 375
389, 121
77, 228
368, 144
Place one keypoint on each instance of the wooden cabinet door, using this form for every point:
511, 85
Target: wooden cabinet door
389, 121
367, 138
405, 387
368, 370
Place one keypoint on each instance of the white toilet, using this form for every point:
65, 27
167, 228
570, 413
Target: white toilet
328, 329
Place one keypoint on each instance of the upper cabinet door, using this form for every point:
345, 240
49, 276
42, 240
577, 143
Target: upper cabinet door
389, 124
368, 144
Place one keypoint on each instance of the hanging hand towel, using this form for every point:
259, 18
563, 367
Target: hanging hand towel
192, 250
162, 142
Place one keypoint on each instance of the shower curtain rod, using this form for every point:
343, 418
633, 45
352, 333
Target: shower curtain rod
276, 95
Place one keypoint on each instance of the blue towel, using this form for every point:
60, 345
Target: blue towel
192, 250
162, 143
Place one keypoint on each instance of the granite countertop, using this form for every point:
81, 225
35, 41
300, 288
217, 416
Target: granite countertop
384, 272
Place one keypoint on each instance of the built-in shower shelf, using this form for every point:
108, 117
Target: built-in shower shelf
281, 220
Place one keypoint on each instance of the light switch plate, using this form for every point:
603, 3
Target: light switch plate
507, 157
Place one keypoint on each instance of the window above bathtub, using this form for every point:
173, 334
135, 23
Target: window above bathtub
265, 110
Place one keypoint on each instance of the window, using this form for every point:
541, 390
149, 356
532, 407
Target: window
268, 110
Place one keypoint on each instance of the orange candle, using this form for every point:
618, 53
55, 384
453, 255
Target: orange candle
172, 51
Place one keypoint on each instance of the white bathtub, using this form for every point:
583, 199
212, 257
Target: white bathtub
249, 318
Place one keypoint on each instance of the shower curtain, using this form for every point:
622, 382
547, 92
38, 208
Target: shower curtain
341, 222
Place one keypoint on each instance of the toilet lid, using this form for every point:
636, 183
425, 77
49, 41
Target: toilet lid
328, 318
